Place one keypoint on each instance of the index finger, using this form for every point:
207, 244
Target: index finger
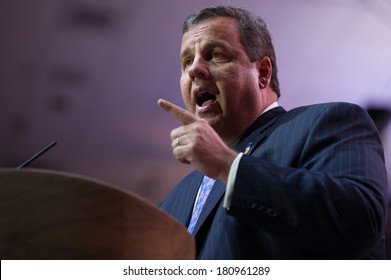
182, 115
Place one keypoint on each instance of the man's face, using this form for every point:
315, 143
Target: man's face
219, 83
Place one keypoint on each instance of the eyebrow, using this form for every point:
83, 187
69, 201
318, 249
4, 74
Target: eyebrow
184, 53
209, 44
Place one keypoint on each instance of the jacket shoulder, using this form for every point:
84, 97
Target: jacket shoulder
321, 107
342, 111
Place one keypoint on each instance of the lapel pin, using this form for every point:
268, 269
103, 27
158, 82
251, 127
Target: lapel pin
247, 149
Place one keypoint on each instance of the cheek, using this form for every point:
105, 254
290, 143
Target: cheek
185, 90
238, 92
185, 79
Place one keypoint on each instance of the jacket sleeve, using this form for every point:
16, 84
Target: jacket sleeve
319, 183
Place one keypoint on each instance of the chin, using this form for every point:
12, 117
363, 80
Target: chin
214, 122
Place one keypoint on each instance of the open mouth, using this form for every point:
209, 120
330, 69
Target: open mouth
205, 99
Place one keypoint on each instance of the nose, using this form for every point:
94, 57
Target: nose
199, 69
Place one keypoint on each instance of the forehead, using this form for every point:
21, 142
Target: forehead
222, 29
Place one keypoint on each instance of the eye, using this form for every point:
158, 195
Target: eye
187, 62
216, 54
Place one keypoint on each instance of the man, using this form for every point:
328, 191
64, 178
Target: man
305, 184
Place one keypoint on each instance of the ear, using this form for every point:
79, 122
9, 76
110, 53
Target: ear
264, 66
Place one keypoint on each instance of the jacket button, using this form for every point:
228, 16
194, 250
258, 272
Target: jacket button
252, 204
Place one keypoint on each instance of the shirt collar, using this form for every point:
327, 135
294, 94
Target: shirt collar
271, 106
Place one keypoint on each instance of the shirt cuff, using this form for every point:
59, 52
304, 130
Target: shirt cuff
231, 181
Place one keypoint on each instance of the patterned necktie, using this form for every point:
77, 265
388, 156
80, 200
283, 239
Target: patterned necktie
206, 187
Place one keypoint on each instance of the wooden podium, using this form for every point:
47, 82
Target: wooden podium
54, 215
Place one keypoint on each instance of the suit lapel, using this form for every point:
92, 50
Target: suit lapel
259, 130
255, 134
188, 193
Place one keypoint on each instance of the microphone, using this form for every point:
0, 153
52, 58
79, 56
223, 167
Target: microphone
27, 162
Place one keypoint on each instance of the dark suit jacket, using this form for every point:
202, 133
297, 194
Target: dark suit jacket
314, 186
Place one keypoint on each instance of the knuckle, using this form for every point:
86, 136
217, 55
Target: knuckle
182, 114
198, 125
